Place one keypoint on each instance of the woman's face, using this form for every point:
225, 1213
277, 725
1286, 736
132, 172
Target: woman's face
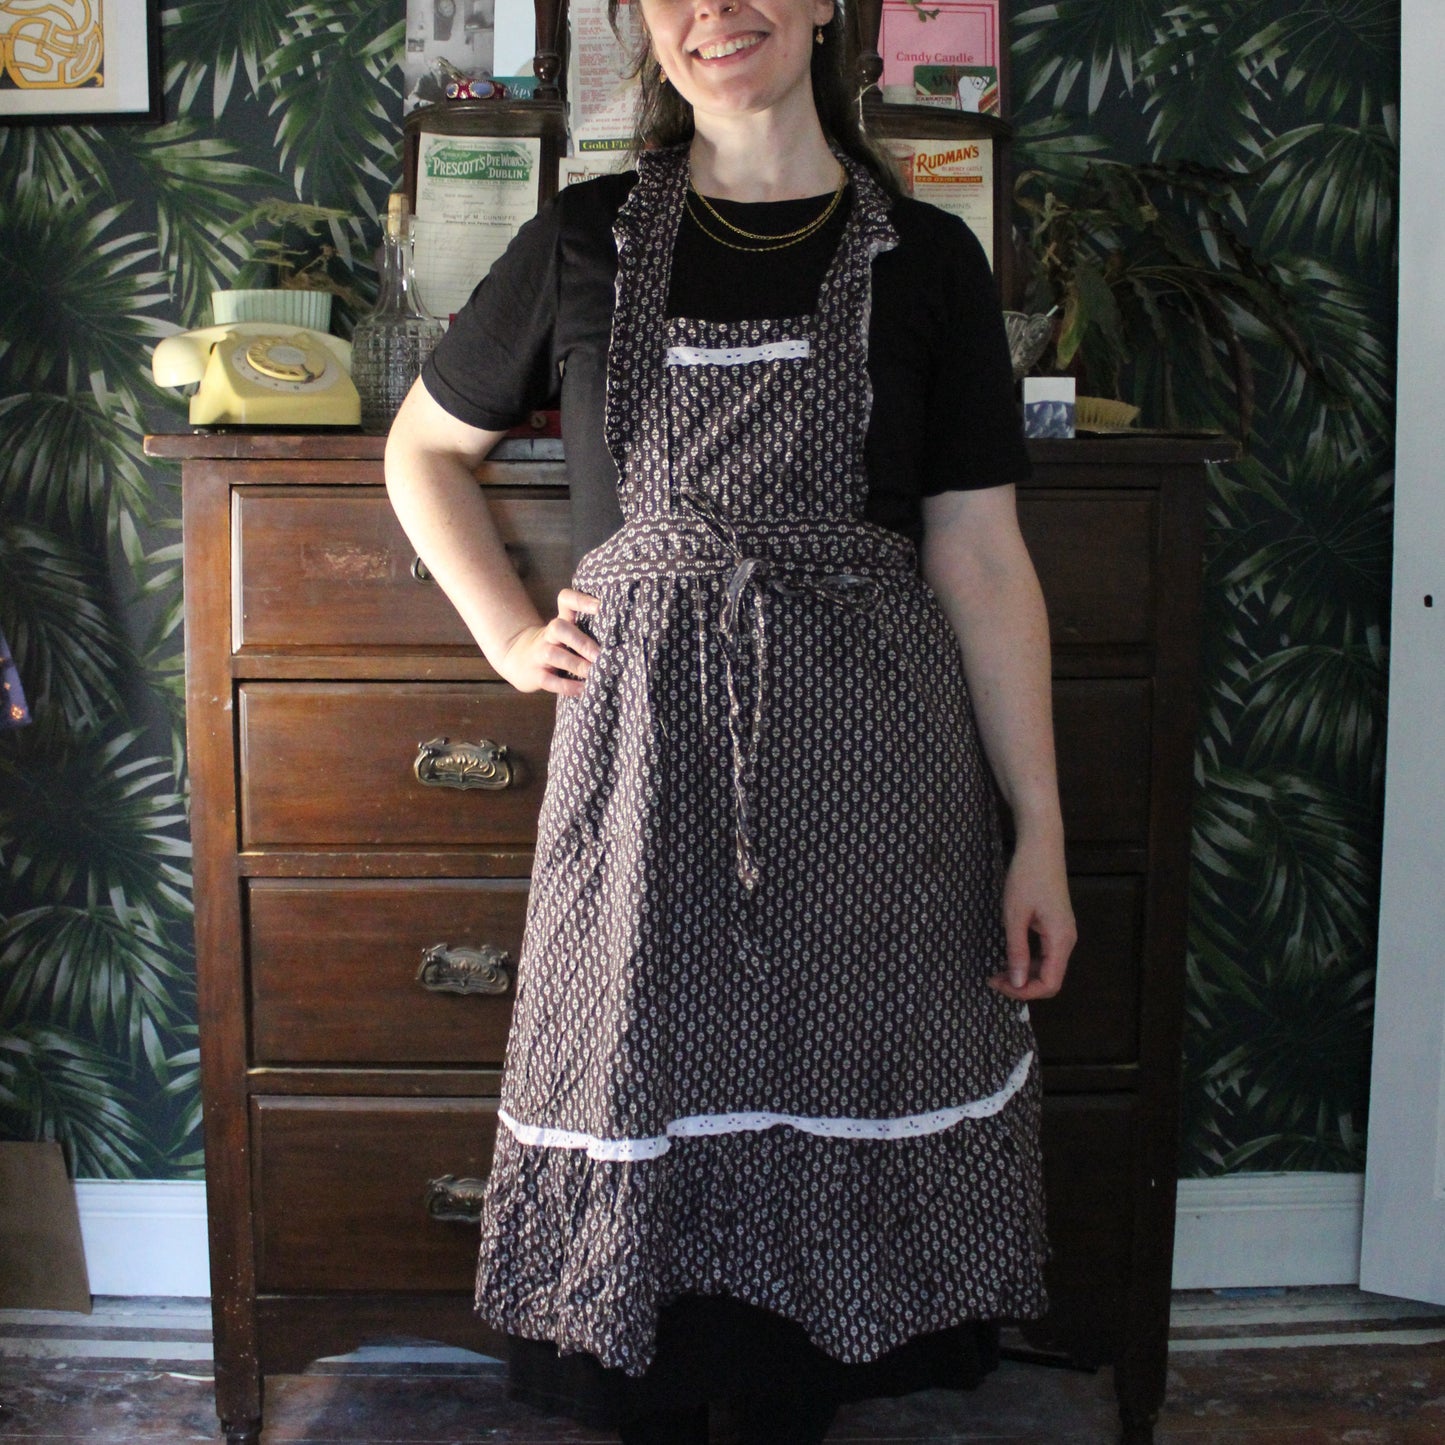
734, 57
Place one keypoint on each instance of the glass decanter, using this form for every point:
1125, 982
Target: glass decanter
392, 342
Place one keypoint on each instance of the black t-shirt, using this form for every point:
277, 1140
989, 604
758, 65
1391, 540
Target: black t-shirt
536, 331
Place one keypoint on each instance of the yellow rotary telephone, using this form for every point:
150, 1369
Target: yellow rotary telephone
261, 373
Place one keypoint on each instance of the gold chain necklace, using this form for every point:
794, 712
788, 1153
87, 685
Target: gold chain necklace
778, 242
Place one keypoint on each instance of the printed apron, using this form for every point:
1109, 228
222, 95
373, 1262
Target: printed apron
753, 1050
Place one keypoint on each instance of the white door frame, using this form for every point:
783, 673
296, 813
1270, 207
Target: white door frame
1403, 1246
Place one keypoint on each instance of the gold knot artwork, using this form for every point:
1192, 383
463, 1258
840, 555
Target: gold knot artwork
51, 44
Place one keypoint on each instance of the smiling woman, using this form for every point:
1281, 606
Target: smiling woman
770, 1109
735, 58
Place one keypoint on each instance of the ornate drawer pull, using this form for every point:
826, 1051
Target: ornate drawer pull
445, 969
450, 1200
441, 764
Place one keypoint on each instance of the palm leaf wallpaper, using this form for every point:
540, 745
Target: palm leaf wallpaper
112, 236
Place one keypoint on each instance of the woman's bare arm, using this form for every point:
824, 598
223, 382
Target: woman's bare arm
975, 560
430, 461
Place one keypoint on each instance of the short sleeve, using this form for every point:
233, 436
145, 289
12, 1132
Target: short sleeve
974, 429
497, 362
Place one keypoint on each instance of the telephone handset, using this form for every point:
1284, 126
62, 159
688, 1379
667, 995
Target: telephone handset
261, 373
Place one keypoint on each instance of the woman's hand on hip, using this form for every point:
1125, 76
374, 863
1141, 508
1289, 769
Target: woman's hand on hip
555, 656
1038, 921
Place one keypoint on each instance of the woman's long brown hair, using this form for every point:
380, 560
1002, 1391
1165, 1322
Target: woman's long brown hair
664, 118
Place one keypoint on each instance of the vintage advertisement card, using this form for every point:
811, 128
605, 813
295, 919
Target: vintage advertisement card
936, 32
954, 175
601, 93
473, 194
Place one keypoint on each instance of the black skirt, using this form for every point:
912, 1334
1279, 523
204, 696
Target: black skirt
712, 1349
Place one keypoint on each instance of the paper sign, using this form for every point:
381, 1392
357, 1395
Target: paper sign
954, 175
601, 93
594, 163
936, 32
473, 194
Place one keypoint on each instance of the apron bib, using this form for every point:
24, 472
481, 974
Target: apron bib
753, 1051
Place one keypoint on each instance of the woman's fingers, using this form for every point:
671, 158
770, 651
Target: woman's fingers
580, 649
558, 655
572, 604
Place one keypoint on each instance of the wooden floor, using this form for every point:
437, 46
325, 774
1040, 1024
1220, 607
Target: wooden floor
1296, 1367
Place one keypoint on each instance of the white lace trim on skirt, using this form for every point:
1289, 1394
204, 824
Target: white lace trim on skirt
695, 1126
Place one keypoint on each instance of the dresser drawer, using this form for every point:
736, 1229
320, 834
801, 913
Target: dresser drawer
341, 1191
331, 567
1103, 731
1095, 1020
349, 972
1090, 1195
1095, 556
333, 764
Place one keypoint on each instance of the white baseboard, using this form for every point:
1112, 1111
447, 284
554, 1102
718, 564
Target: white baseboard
148, 1237
1253, 1230
144, 1236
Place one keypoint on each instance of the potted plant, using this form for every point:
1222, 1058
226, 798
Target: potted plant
292, 273
1153, 285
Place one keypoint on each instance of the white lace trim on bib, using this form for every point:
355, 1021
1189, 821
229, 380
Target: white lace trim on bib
737, 355
695, 1126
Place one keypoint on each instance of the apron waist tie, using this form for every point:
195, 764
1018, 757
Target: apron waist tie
753, 578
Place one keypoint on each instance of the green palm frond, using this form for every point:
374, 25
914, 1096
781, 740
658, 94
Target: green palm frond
1302, 857
1059, 43
1297, 1075
197, 190
85, 968
210, 38
1206, 85
161, 601
69, 647
64, 164
1323, 1146
1228, 658
1336, 54
183, 1085
332, 79
1323, 707
56, 1086
1312, 547
89, 821
1332, 187
1348, 327
1056, 147
70, 461
77, 296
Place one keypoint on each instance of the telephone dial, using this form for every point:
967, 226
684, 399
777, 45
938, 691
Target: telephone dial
261, 373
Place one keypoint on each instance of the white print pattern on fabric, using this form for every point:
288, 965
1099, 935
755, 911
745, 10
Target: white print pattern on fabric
768, 876
794, 350
700, 1126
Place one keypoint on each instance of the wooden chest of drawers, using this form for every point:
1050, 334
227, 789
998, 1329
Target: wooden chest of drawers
361, 886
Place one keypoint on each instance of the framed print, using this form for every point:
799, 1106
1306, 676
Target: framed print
78, 61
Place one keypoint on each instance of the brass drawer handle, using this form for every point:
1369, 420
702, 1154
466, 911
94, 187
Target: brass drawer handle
445, 969
441, 764
450, 1200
